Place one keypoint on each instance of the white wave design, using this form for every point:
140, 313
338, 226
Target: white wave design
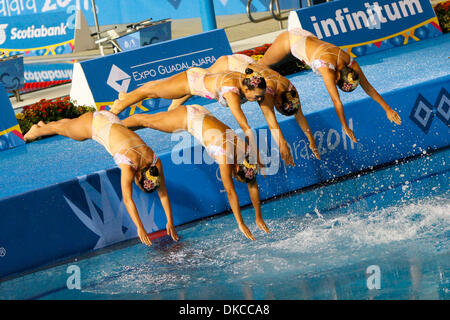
115, 215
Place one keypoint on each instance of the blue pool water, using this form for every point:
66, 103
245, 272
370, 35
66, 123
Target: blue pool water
322, 242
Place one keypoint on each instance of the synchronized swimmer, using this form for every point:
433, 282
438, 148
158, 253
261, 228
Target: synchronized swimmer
231, 80
223, 145
229, 89
137, 161
336, 67
280, 93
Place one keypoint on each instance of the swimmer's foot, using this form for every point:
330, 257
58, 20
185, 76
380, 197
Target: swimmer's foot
116, 107
32, 134
173, 106
122, 95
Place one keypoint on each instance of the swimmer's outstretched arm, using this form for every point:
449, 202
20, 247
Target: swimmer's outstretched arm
227, 180
234, 103
267, 108
165, 201
371, 92
166, 121
254, 196
303, 124
329, 78
126, 181
174, 87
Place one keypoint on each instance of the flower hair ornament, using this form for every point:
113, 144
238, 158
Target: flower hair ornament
250, 170
254, 79
293, 102
350, 84
151, 182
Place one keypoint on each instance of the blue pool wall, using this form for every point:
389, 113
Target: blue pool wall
78, 208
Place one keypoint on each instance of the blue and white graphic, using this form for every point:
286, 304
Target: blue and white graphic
118, 79
12, 73
423, 112
115, 219
146, 36
442, 106
42, 72
50, 33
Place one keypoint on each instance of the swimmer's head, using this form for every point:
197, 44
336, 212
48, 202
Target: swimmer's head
289, 104
245, 172
254, 85
348, 79
148, 179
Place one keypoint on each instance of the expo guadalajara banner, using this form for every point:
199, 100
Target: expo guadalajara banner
98, 81
38, 34
364, 27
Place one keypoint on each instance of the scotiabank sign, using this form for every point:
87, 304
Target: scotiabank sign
39, 34
33, 32
369, 25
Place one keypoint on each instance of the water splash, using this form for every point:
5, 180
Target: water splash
300, 245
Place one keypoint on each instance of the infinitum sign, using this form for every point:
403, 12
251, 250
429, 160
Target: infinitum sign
363, 27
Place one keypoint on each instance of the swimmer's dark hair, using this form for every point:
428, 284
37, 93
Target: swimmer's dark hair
349, 79
150, 179
254, 80
246, 172
290, 103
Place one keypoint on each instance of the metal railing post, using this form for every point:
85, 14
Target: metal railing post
276, 16
208, 15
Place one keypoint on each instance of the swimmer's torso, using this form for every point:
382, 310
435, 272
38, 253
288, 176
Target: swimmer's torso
108, 130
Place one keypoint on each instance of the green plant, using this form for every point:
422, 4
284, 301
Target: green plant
49, 110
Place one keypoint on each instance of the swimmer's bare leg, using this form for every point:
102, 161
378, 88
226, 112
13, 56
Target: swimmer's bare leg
78, 129
174, 87
178, 102
126, 99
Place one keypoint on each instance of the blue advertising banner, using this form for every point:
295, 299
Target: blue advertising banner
38, 34
364, 27
106, 76
10, 133
143, 37
12, 73
120, 11
42, 72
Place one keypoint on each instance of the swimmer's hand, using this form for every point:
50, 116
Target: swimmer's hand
144, 237
262, 167
246, 231
350, 134
262, 225
393, 116
314, 149
171, 231
286, 154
